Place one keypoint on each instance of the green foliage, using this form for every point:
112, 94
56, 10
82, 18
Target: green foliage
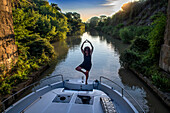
42, 19
43, 25
36, 23
75, 25
161, 82
128, 57
94, 22
126, 35
39, 46
156, 36
5, 88
143, 55
115, 30
140, 45
107, 29
110, 30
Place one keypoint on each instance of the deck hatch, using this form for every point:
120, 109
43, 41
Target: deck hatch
62, 98
84, 99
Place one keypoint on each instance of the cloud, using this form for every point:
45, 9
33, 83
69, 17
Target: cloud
109, 3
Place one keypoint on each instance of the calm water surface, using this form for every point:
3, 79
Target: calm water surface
105, 62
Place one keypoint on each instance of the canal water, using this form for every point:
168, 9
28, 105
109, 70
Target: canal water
105, 62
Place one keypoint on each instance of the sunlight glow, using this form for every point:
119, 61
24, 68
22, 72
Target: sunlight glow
117, 4
110, 7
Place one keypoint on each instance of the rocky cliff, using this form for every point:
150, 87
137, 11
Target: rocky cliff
165, 50
8, 49
141, 13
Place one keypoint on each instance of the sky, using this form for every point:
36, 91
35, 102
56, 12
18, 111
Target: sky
90, 8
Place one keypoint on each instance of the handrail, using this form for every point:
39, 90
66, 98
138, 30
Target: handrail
122, 91
33, 84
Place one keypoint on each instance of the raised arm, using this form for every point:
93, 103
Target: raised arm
82, 47
91, 46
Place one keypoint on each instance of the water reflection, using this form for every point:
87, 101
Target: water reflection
115, 43
73, 41
93, 33
61, 50
128, 79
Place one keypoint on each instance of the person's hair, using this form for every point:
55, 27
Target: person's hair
87, 48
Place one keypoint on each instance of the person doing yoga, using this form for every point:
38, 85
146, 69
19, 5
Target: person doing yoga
87, 52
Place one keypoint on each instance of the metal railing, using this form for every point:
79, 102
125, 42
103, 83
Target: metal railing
29, 86
122, 90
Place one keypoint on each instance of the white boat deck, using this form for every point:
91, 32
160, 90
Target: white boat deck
46, 105
71, 96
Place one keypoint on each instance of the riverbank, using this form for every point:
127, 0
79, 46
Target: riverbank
164, 96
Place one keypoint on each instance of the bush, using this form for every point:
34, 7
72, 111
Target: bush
5, 88
141, 30
115, 31
140, 45
15, 79
128, 57
37, 47
126, 35
161, 82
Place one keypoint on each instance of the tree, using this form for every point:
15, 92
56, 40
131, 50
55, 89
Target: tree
102, 18
94, 22
55, 6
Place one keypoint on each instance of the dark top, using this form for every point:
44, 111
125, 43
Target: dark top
87, 59
86, 63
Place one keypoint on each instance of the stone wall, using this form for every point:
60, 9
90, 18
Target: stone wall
8, 49
165, 49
